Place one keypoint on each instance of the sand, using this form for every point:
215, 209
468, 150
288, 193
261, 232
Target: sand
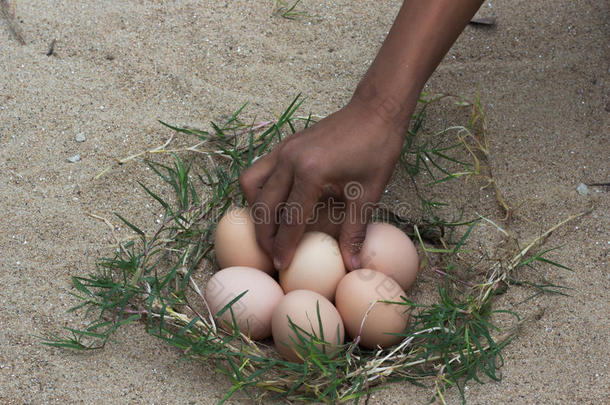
542, 73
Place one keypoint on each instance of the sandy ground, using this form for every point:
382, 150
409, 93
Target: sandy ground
542, 73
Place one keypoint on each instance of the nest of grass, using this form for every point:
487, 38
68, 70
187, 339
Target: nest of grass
156, 277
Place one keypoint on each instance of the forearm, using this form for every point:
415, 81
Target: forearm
423, 32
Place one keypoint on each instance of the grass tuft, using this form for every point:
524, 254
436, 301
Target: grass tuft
289, 10
149, 278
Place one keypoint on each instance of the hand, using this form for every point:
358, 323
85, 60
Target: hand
358, 145
349, 156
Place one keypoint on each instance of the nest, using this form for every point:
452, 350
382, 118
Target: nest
156, 278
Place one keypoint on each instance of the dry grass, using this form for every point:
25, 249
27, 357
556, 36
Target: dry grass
151, 278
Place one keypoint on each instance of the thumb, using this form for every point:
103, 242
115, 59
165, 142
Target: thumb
254, 177
352, 236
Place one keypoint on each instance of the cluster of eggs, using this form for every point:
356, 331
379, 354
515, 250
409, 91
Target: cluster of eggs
315, 295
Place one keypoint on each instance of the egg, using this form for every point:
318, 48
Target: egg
235, 242
301, 307
356, 293
253, 311
317, 266
389, 250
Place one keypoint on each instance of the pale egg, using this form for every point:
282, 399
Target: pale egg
389, 250
253, 311
357, 299
317, 266
235, 242
302, 307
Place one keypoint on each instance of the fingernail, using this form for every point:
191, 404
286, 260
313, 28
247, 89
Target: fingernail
355, 262
277, 263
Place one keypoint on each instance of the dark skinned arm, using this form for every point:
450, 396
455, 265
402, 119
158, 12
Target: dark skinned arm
359, 144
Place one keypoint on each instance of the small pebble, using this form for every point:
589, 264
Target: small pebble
73, 159
583, 189
80, 137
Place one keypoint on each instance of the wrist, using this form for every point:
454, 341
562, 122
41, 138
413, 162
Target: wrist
394, 109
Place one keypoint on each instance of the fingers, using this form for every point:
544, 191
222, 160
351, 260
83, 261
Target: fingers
327, 218
294, 216
274, 192
253, 178
353, 232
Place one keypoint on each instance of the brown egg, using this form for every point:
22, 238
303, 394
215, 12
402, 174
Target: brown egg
355, 295
389, 250
236, 245
301, 307
253, 311
316, 266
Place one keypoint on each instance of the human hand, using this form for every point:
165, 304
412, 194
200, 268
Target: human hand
348, 156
